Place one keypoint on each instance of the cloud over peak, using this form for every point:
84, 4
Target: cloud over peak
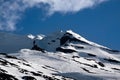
11, 10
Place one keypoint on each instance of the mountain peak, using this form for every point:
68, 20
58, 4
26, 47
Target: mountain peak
58, 56
77, 36
62, 38
73, 33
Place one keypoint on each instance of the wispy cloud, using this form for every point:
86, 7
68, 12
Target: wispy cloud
11, 10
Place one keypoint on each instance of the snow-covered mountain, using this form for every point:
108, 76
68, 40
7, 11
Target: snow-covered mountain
58, 56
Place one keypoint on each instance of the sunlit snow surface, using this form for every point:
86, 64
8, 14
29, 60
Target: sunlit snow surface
90, 61
60, 65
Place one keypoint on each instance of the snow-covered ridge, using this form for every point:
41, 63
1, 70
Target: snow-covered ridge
52, 41
58, 56
12, 42
35, 65
83, 39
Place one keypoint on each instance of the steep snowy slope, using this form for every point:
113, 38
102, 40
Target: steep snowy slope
52, 41
35, 65
16, 68
67, 56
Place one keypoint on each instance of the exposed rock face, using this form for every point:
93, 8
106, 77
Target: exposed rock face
4, 76
64, 39
35, 47
65, 50
70, 38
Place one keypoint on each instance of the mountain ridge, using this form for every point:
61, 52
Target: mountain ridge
60, 56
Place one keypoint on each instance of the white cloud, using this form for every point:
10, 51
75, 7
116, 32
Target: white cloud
11, 10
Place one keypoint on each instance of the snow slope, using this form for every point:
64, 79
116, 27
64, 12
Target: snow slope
68, 56
52, 41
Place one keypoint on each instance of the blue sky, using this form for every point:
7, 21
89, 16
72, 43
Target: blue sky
99, 23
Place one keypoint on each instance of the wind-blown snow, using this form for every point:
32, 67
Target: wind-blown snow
31, 36
40, 36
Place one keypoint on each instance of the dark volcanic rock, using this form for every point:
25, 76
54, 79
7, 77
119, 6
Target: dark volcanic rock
2, 71
65, 50
13, 57
79, 47
28, 78
70, 38
91, 55
5, 62
53, 41
112, 60
116, 69
3, 53
23, 71
87, 70
101, 64
35, 47
64, 39
36, 74
4, 76
75, 57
